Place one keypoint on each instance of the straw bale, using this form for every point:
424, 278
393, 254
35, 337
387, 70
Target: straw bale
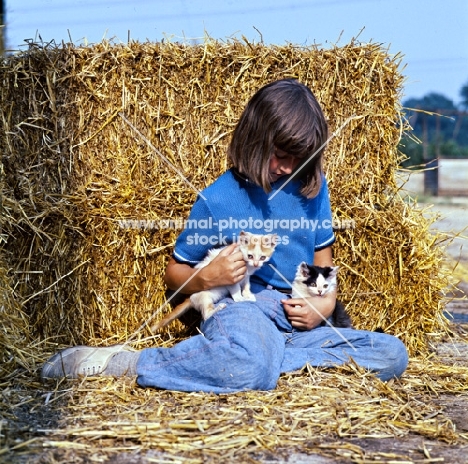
15, 349
75, 168
14, 324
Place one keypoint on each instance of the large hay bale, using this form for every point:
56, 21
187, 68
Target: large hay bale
15, 350
75, 169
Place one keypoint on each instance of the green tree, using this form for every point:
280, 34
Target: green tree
441, 127
464, 95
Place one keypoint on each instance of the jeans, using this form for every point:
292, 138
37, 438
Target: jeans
247, 345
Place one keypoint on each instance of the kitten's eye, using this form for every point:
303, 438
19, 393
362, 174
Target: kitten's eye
262, 258
250, 256
325, 286
313, 284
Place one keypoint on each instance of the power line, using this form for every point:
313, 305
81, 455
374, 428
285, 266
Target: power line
71, 6
110, 4
268, 9
438, 60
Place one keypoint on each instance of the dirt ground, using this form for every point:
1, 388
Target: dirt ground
412, 448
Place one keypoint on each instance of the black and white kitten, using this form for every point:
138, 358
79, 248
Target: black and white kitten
317, 281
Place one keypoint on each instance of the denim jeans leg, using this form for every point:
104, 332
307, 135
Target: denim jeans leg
381, 353
240, 349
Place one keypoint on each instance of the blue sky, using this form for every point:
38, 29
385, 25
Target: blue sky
432, 35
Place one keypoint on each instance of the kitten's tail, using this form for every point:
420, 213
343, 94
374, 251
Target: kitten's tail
180, 309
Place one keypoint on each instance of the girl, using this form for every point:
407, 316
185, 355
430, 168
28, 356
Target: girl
276, 185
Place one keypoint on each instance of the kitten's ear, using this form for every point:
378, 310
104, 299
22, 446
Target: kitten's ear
244, 238
334, 271
303, 269
274, 240
270, 240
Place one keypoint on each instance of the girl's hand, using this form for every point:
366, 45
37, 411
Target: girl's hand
305, 313
301, 312
226, 269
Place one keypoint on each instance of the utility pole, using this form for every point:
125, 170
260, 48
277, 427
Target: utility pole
2, 27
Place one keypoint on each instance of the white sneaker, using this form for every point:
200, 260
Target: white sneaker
79, 361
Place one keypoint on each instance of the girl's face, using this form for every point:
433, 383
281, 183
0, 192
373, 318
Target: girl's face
282, 164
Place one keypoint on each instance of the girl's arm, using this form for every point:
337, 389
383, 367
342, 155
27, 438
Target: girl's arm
226, 269
299, 311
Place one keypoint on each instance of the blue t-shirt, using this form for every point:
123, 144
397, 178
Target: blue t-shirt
233, 203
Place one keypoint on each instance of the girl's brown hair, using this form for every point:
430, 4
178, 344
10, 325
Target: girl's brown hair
286, 115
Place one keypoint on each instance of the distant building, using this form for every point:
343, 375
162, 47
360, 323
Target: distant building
449, 177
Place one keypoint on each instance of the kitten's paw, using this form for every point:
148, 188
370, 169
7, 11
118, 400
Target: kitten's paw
249, 297
208, 312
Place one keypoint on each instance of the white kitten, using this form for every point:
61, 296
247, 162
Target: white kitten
256, 250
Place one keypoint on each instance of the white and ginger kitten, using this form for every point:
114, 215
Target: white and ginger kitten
256, 250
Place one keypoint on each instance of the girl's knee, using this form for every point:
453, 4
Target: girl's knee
250, 348
256, 370
401, 358
395, 359
258, 377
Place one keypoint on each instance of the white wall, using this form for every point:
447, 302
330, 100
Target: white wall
413, 182
453, 179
